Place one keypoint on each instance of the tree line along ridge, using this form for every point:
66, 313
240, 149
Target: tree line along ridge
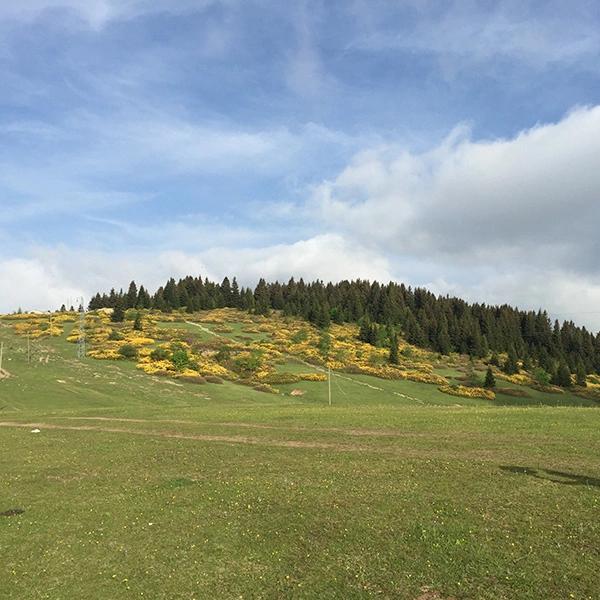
443, 324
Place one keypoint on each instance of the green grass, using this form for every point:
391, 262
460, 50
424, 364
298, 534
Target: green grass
199, 491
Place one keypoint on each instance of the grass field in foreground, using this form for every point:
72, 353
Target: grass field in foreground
138, 487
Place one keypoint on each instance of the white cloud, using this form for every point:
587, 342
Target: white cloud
33, 285
533, 197
51, 276
327, 256
566, 296
510, 220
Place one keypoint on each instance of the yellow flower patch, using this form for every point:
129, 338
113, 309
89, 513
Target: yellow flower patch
468, 392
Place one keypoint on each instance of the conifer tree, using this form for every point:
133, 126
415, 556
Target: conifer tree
323, 317
394, 358
563, 375
261, 298
132, 296
143, 300
443, 344
490, 380
364, 333
511, 367
235, 294
118, 315
137, 324
580, 374
226, 292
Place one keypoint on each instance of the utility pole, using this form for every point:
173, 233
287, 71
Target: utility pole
329, 383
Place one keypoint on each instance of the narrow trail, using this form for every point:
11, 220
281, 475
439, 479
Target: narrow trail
321, 369
227, 439
357, 432
446, 452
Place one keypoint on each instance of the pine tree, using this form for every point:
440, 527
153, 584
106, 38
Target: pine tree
118, 315
235, 294
132, 296
394, 358
563, 375
580, 374
137, 324
262, 301
323, 319
364, 333
490, 380
143, 300
511, 367
226, 292
443, 344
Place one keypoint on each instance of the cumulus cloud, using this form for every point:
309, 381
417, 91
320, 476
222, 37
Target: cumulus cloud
51, 276
533, 197
326, 256
33, 285
508, 220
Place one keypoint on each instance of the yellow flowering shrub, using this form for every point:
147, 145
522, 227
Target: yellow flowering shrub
517, 378
468, 392
105, 354
593, 380
393, 372
38, 328
283, 378
138, 341
158, 367
312, 377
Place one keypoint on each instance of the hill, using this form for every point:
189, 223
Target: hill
199, 456
276, 352
441, 324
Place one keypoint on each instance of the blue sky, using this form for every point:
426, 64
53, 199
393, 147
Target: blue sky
448, 144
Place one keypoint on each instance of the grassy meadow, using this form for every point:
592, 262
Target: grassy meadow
146, 483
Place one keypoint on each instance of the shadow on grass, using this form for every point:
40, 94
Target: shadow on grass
13, 512
555, 476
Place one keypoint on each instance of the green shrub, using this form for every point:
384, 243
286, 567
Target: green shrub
128, 351
180, 359
247, 363
160, 354
541, 376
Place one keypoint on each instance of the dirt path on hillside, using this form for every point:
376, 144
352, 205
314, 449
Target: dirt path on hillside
321, 369
446, 452
358, 432
229, 439
206, 329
